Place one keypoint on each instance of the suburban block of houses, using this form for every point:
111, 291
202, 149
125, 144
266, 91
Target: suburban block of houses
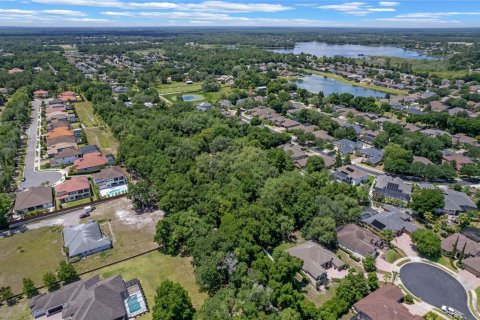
109, 177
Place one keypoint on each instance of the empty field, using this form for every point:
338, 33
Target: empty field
29, 254
95, 129
180, 87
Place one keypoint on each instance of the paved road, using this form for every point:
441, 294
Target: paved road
435, 287
36, 178
68, 219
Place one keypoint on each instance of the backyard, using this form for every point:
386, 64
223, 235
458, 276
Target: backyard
95, 129
179, 87
153, 268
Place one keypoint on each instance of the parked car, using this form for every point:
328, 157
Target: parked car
84, 215
23, 179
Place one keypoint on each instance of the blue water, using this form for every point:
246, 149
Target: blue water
321, 49
192, 97
133, 304
315, 83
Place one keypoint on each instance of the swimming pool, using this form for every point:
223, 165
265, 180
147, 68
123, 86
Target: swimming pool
115, 191
133, 304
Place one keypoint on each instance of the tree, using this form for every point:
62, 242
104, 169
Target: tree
372, 281
50, 281
427, 242
5, 293
5, 204
462, 254
321, 229
408, 299
397, 159
369, 263
338, 161
453, 254
315, 164
29, 289
427, 200
387, 237
67, 272
172, 303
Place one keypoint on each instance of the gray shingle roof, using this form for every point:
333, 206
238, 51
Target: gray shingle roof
314, 256
84, 238
458, 201
394, 221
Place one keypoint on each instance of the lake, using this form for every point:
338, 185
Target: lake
321, 49
315, 83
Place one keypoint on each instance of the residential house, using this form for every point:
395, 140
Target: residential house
89, 149
345, 146
423, 160
458, 159
90, 162
472, 265
359, 241
295, 151
323, 135
40, 94
56, 148
351, 175
204, 106
61, 139
472, 248
60, 132
438, 106
66, 157
92, 298
457, 202
35, 198
109, 177
372, 155
85, 239
67, 96
74, 189
395, 220
382, 304
391, 187
461, 138
316, 261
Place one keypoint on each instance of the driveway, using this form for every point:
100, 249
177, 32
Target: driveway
435, 286
404, 242
34, 178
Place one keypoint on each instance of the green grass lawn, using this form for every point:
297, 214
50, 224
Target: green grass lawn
394, 254
181, 87
153, 268
74, 203
354, 83
29, 254
319, 298
96, 130
477, 291
18, 311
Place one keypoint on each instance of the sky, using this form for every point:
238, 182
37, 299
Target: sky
277, 13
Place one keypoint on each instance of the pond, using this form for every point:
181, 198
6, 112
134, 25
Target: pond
192, 97
315, 84
321, 49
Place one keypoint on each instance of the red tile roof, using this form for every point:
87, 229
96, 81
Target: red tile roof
74, 184
90, 160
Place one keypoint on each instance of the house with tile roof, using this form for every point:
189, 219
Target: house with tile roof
90, 162
73, 189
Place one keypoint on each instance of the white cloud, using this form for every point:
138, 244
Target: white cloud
355, 8
210, 6
64, 13
381, 10
117, 13
388, 3
435, 14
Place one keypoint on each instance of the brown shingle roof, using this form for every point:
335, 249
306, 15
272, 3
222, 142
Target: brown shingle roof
384, 303
109, 173
358, 240
33, 197
472, 248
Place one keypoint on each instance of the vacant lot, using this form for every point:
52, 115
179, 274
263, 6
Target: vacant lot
153, 268
180, 87
95, 129
34, 252
29, 254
